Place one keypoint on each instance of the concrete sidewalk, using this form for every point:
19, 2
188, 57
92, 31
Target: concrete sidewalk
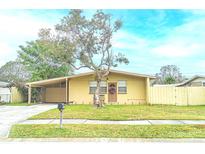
131, 122
105, 140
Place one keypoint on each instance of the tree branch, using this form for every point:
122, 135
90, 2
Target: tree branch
77, 68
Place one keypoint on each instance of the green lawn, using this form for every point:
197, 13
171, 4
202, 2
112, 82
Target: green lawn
107, 131
17, 104
126, 112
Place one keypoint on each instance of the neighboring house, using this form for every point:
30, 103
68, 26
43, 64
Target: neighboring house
196, 81
118, 87
10, 94
5, 93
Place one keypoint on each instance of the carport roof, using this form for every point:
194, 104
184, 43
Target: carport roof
61, 79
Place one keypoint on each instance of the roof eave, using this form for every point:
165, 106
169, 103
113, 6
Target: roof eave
88, 73
132, 74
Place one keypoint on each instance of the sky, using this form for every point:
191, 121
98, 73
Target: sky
149, 38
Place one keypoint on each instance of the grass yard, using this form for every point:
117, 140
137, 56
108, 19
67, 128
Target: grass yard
17, 104
107, 131
127, 112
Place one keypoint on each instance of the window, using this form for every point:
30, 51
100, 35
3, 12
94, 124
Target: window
93, 86
122, 87
103, 87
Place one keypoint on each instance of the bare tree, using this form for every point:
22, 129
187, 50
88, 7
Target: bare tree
169, 74
15, 73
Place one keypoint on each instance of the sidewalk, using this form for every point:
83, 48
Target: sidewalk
131, 122
105, 140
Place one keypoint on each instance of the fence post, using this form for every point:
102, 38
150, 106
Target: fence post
147, 90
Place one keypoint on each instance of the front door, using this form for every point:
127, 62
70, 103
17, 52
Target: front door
112, 92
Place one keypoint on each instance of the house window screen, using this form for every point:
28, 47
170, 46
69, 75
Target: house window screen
122, 87
103, 87
93, 86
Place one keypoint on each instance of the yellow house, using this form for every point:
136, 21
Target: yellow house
119, 87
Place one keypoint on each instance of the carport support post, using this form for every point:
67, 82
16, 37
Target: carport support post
29, 94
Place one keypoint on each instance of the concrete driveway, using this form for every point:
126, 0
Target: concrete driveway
10, 115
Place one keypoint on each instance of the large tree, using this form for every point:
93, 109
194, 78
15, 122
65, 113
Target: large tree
169, 74
85, 43
35, 58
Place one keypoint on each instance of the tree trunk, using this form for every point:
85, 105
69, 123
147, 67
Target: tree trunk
97, 101
99, 76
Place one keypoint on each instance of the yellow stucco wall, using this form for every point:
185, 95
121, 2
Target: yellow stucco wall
136, 89
16, 95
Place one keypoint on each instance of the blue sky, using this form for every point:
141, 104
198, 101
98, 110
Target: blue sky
149, 38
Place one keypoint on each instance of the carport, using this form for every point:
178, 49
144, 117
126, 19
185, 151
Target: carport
52, 90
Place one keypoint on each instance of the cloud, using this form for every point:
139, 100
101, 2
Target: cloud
129, 42
5, 48
200, 64
174, 49
7, 53
180, 45
182, 41
20, 26
197, 12
16, 28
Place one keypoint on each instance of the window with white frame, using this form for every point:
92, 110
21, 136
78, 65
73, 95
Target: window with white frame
122, 87
93, 86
